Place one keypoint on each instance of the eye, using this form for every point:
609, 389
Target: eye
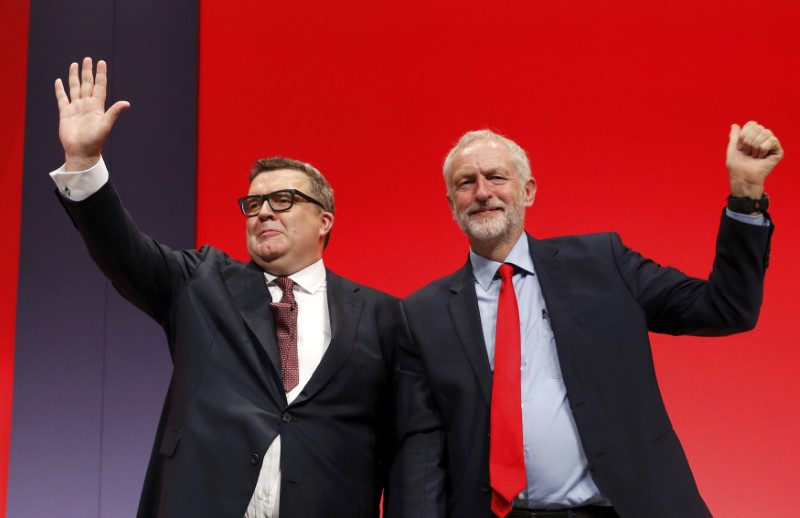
253, 204
464, 182
283, 198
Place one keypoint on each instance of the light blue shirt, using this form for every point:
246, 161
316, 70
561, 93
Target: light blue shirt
555, 464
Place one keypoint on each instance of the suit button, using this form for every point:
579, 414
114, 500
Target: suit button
287, 417
486, 488
255, 458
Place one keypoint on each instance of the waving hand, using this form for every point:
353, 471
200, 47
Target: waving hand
84, 123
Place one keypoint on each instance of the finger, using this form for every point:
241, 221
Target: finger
101, 81
61, 95
747, 138
87, 80
774, 147
733, 138
74, 82
113, 113
760, 143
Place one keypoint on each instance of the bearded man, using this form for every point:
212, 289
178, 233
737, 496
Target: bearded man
527, 387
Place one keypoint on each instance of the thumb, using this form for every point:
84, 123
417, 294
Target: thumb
113, 113
733, 139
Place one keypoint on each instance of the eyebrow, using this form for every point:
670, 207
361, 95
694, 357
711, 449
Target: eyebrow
499, 169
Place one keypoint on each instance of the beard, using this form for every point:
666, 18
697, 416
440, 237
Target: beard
501, 224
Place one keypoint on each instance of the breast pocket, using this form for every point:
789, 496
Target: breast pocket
545, 337
371, 372
169, 441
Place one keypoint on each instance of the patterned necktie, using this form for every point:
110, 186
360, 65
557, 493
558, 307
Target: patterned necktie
285, 313
506, 459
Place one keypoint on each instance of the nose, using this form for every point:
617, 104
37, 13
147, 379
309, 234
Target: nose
483, 189
266, 212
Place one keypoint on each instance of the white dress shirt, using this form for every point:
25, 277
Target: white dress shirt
313, 338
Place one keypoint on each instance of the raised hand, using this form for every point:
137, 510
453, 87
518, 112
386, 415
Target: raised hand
84, 124
753, 151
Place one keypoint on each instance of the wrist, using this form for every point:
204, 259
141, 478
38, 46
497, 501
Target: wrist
748, 205
744, 189
79, 163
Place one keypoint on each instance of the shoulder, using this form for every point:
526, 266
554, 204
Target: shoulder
580, 242
361, 290
440, 289
207, 262
582, 249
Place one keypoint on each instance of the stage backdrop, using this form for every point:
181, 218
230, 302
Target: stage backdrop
90, 370
624, 108
13, 59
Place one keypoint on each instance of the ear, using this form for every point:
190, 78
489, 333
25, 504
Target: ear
326, 218
530, 191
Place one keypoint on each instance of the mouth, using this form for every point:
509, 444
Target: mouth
485, 211
268, 232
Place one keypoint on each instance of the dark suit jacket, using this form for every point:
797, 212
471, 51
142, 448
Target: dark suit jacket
226, 403
602, 299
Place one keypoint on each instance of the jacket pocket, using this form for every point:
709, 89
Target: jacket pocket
169, 442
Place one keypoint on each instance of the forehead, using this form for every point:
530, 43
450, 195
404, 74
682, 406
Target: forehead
270, 181
482, 155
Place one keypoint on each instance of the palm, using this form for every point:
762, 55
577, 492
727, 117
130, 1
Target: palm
81, 127
84, 123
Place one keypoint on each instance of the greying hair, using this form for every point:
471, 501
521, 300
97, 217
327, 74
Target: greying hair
321, 190
518, 156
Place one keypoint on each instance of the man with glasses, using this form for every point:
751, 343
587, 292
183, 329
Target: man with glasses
279, 403
528, 388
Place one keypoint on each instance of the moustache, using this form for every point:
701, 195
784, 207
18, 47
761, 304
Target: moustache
484, 206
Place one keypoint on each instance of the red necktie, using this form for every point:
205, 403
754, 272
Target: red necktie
506, 459
285, 313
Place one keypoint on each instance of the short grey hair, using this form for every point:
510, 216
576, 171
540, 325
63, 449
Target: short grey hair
518, 156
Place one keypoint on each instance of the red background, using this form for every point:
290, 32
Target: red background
13, 57
624, 108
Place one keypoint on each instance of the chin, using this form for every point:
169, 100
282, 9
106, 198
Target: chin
485, 230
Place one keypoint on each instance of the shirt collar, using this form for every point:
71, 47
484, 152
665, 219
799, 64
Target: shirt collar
309, 278
485, 269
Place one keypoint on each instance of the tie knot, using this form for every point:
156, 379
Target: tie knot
506, 271
286, 285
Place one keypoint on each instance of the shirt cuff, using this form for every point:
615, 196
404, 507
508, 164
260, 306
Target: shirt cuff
79, 185
758, 219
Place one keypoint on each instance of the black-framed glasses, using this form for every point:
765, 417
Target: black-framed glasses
279, 201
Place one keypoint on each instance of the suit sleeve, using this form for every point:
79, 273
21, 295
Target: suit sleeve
417, 483
144, 272
728, 302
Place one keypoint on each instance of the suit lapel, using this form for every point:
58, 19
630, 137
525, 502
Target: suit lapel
466, 317
556, 292
345, 308
248, 287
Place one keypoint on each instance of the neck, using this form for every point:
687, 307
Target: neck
495, 249
283, 269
